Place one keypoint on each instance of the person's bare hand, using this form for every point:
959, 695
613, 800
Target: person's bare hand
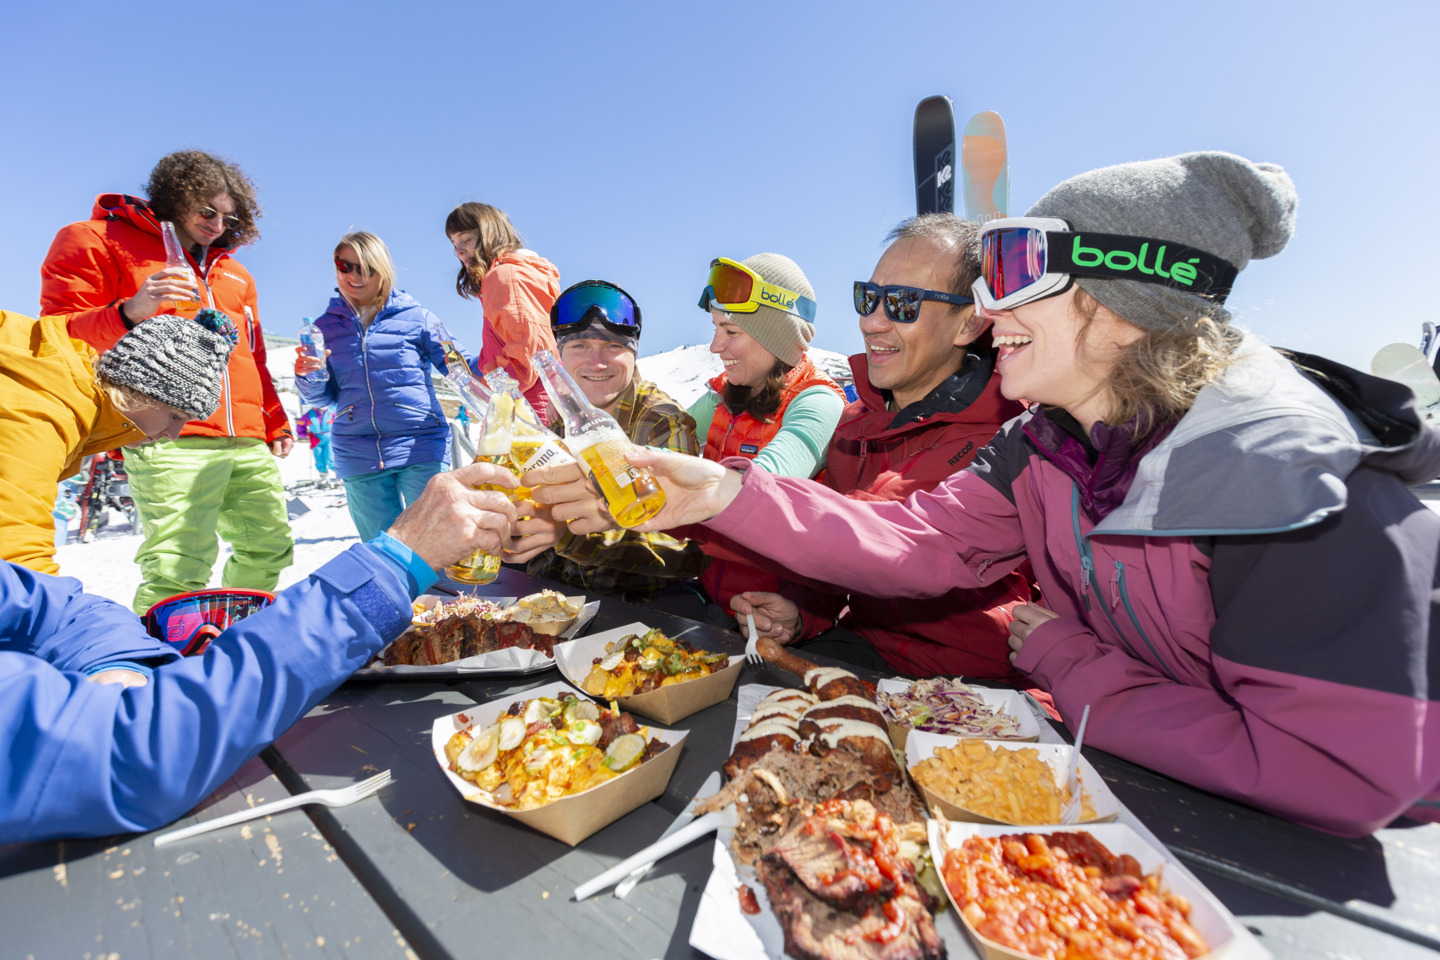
775, 617
160, 288
281, 446
451, 520
696, 489
128, 678
571, 497
534, 533
1027, 616
305, 363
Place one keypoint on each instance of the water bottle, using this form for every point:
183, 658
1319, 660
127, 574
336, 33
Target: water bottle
312, 342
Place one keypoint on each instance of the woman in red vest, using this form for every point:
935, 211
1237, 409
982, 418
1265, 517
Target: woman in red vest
771, 404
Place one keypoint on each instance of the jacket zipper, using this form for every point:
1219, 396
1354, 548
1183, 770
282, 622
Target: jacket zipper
1124, 596
1087, 564
369, 388
204, 272
980, 571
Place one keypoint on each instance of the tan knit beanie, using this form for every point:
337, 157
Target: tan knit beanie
783, 334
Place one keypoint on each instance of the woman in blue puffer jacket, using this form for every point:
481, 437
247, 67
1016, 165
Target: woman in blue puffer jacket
390, 436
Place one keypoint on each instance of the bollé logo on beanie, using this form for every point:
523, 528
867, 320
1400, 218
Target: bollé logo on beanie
782, 333
1212, 213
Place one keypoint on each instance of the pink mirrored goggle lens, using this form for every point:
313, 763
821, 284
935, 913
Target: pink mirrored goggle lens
1011, 259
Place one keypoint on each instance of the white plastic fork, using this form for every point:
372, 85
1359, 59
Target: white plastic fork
752, 655
1071, 811
339, 797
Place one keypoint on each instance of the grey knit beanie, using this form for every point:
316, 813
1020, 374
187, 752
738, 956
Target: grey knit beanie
783, 334
175, 360
1216, 202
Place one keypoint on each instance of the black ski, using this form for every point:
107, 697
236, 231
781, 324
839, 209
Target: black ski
935, 156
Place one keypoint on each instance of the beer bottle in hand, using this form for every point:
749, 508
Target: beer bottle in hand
594, 436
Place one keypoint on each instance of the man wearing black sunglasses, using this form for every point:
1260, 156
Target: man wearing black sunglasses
929, 400
107, 274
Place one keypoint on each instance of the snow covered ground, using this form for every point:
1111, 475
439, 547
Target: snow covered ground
107, 565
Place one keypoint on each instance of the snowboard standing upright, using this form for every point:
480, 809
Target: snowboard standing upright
935, 156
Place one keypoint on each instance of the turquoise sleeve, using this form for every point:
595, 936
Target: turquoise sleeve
703, 410
798, 450
406, 563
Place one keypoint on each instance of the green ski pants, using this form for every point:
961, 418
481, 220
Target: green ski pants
190, 489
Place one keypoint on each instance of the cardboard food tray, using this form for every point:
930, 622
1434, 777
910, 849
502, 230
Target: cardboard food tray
723, 931
665, 705
1208, 916
498, 662
921, 746
573, 818
1010, 701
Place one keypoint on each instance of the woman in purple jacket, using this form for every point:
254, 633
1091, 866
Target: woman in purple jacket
1236, 579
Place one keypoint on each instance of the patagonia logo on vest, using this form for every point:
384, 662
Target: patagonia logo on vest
749, 449
1143, 259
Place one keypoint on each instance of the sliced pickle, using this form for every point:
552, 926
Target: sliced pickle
541, 708
584, 733
480, 753
624, 752
650, 659
581, 710
512, 732
614, 658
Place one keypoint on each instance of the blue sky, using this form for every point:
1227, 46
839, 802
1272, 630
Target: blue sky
634, 142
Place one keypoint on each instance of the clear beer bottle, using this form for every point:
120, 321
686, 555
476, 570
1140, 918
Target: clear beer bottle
592, 435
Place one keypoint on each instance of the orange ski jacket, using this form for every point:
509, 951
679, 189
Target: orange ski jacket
95, 265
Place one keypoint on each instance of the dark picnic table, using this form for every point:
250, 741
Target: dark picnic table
417, 871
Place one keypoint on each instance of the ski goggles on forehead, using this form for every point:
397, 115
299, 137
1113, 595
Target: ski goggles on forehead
189, 621
1028, 258
595, 301
735, 288
902, 304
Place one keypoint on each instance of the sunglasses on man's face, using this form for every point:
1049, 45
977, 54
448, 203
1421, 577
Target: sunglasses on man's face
902, 304
347, 268
210, 213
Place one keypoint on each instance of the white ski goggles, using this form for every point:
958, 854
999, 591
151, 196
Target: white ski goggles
1024, 259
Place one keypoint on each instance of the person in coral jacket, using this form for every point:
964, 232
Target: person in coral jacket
516, 288
107, 274
929, 400
1236, 579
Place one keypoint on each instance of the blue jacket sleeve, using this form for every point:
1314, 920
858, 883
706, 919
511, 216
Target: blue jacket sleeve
319, 394
53, 619
87, 759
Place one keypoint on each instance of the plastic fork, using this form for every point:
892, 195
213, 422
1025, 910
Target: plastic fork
752, 654
1071, 812
340, 797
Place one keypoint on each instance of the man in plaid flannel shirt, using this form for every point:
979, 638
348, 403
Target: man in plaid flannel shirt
600, 353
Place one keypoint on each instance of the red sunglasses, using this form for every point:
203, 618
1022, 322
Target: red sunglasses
347, 268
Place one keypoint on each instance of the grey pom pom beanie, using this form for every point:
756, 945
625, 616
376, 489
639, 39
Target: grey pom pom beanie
1217, 202
783, 334
175, 360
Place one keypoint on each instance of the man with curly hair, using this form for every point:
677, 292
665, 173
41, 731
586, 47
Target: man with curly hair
108, 274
